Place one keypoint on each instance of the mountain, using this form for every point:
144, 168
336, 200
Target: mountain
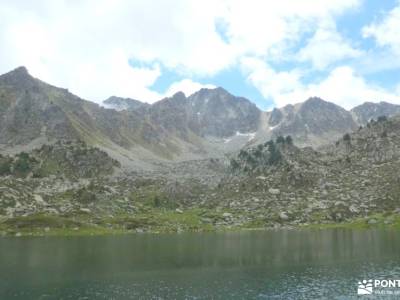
313, 122
207, 113
119, 104
190, 163
208, 123
367, 111
33, 113
270, 185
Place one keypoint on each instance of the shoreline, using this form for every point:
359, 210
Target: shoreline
53, 225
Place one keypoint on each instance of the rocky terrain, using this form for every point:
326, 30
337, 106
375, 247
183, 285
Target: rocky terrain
203, 162
356, 177
369, 110
209, 123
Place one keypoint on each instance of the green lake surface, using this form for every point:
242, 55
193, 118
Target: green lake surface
275, 264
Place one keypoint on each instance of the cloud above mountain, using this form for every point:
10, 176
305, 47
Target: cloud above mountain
148, 49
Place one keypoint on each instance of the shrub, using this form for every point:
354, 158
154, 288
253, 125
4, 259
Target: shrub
85, 196
280, 140
289, 140
243, 154
156, 201
234, 164
382, 119
23, 163
5, 166
275, 157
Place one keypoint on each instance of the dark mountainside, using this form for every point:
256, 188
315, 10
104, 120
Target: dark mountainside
207, 161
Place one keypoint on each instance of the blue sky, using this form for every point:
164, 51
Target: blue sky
273, 53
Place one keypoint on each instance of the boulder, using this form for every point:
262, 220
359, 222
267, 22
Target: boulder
274, 191
283, 216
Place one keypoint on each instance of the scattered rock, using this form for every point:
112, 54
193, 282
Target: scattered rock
274, 191
39, 199
283, 216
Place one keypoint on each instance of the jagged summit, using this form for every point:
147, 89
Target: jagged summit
18, 76
315, 102
369, 110
21, 70
210, 122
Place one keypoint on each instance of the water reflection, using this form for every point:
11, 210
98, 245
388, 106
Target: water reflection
253, 264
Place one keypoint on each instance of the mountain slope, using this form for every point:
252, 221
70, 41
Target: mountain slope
33, 113
355, 177
313, 122
209, 123
367, 111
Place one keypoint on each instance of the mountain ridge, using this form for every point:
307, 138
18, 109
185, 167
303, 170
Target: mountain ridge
208, 123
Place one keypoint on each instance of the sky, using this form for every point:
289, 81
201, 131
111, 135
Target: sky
272, 52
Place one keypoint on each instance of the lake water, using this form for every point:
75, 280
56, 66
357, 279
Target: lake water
281, 264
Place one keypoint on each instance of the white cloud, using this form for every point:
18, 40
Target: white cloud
327, 46
269, 82
342, 86
386, 32
347, 89
265, 28
86, 45
187, 86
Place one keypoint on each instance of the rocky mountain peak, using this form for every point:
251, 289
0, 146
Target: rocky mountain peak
369, 110
18, 76
316, 102
20, 70
179, 95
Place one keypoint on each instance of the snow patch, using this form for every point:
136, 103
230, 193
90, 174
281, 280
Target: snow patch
273, 127
250, 135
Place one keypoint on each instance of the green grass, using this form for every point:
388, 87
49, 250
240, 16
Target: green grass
157, 221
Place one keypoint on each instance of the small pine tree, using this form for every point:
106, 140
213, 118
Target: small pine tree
243, 154
280, 140
5, 166
275, 157
382, 119
156, 201
234, 164
22, 164
289, 140
347, 137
